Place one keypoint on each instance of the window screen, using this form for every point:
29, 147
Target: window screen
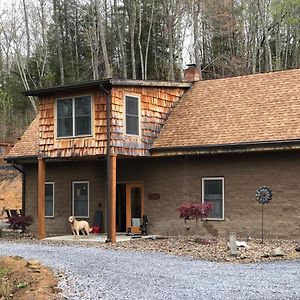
81, 199
212, 191
49, 199
132, 115
74, 116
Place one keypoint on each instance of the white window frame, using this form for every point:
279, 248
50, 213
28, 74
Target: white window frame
139, 115
53, 202
73, 117
223, 199
88, 194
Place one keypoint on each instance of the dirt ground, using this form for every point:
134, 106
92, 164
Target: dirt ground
26, 280
10, 190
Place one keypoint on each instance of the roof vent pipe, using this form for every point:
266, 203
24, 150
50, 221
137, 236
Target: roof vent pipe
192, 73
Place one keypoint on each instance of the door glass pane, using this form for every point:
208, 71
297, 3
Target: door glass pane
136, 199
80, 199
213, 193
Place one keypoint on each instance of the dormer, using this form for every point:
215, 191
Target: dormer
73, 119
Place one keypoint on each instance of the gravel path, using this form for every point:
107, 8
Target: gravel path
94, 273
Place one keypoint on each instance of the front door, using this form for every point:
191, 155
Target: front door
134, 207
130, 207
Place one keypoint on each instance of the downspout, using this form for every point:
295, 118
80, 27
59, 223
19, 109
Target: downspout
23, 186
108, 159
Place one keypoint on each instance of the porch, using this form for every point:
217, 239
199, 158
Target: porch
101, 238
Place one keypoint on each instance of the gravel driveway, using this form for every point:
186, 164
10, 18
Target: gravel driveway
95, 273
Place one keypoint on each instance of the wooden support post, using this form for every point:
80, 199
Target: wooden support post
41, 198
112, 200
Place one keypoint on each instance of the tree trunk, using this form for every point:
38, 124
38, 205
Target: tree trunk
131, 11
148, 40
108, 71
27, 30
58, 41
121, 41
139, 40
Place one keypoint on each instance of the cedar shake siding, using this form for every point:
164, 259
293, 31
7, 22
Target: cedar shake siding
94, 144
155, 105
178, 180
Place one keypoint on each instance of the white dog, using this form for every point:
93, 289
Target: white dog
77, 226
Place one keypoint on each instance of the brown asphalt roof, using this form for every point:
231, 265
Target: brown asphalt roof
28, 146
245, 109
239, 110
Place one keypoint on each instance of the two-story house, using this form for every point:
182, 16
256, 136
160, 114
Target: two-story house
144, 147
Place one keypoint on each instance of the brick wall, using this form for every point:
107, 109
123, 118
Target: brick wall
178, 180
62, 174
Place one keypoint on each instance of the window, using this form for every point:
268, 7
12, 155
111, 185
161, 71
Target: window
49, 199
80, 205
132, 115
213, 191
73, 116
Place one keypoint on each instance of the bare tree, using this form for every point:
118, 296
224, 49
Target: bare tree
58, 40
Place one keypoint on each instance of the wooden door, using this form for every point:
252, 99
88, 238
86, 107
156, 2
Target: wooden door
134, 206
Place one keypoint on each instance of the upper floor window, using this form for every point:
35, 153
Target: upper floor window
74, 116
132, 115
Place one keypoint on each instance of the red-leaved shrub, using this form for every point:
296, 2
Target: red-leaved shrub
19, 222
194, 211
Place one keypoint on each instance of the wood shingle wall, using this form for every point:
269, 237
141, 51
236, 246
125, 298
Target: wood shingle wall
50, 146
156, 105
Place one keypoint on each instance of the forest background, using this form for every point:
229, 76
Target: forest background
53, 42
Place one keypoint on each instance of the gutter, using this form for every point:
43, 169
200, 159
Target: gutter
23, 186
227, 148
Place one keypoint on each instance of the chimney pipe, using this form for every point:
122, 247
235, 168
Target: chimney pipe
192, 73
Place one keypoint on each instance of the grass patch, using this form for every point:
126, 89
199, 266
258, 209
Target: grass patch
4, 283
3, 272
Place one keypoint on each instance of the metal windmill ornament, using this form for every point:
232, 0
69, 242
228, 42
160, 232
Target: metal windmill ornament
263, 196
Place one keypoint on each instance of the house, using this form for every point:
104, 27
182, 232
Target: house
144, 147
4, 150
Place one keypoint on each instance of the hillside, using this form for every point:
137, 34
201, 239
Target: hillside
10, 188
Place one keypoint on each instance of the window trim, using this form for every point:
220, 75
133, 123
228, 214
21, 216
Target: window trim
139, 115
88, 194
223, 198
73, 117
53, 202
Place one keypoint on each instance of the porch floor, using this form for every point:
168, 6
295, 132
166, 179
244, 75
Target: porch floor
121, 237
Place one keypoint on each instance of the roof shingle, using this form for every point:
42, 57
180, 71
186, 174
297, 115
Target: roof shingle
28, 146
244, 109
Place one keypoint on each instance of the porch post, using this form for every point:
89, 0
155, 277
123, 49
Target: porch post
41, 198
112, 200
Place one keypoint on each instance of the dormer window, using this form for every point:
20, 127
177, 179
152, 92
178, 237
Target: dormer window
132, 115
74, 116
